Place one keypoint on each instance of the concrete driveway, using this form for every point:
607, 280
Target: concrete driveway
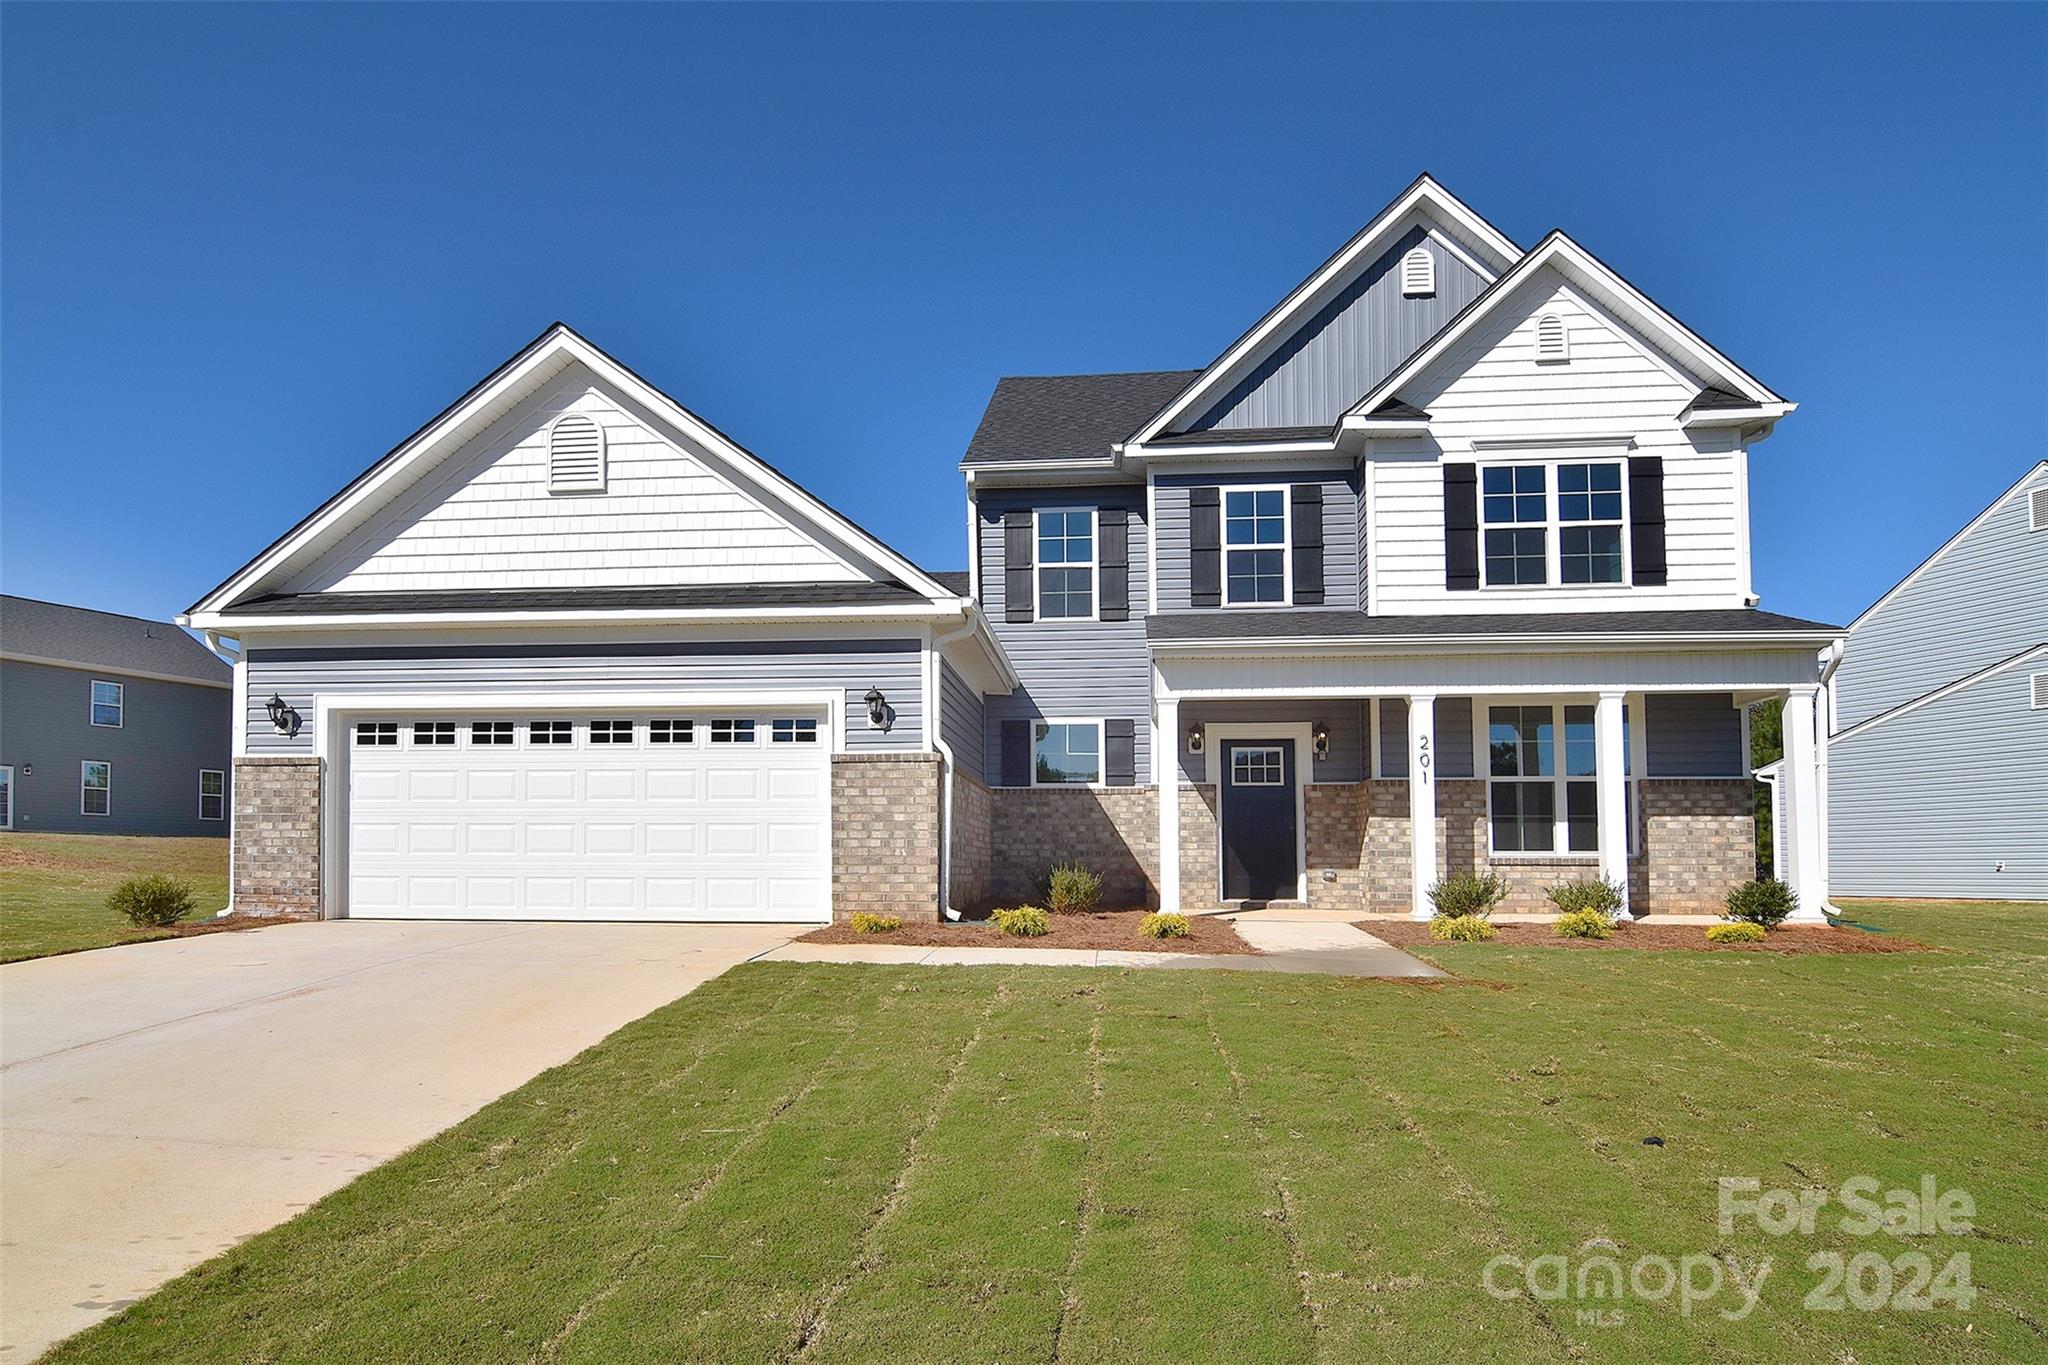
160, 1102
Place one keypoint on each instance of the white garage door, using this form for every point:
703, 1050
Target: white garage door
595, 817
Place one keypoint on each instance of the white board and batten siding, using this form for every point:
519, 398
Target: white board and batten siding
484, 518
1492, 389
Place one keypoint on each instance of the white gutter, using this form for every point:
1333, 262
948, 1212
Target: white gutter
936, 610
1381, 644
947, 762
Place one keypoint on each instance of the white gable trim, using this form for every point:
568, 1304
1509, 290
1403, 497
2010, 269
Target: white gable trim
1424, 196
1581, 267
2001, 500
557, 348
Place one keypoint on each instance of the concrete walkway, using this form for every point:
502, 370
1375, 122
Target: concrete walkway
159, 1102
1327, 948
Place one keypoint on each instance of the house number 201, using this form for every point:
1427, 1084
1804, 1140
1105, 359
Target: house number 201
1422, 755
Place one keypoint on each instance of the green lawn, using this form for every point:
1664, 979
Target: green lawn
925, 1164
53, 887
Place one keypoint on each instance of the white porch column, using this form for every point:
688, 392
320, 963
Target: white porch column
1421, 800
1166, 759
1804, 864
1610, 760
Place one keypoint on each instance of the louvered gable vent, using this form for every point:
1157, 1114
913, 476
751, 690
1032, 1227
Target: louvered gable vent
575, 455
2041, 691
2037, 506
1418, 273
1553, 343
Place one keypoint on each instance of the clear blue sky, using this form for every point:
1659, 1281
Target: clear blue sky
248, 249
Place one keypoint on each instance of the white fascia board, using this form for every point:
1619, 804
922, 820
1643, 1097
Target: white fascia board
1573, 260
1326, 458
1268, 451
946, 608
1946, 545
2025, 656
1737, 417
550, 353
1424, 194
1383, 428
1328, 646
1076, 463
114, 670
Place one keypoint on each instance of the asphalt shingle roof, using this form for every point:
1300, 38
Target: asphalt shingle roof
1069, 416
1278, 625
103, 639
580, 599
952, 580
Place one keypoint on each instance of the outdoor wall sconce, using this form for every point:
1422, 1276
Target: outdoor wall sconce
1195, 738
282, 718
878, 708
1320, 732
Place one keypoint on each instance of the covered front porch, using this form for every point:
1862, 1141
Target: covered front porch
1349, 781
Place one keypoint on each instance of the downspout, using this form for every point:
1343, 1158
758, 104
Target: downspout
1824, 721
933, 705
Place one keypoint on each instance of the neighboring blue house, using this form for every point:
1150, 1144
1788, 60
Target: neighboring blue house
110, 724
1937, 768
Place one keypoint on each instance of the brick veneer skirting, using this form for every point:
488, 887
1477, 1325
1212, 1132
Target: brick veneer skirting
276, 836
1112, 830
885, 834
973, 831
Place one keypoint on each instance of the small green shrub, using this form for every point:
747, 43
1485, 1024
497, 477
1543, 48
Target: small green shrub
865, 922
1737, 931
1070, 888
152, 902
1164, 925
1022, 921
1468, 894
1460, 929
1589, 893
1584, 924
1767, 903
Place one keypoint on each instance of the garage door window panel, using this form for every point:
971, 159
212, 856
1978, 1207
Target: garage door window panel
550, 732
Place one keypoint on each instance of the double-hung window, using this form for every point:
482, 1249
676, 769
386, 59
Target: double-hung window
95, 787
1254, 546
1066, 563
108, 700
1553, 524
213, 794
1541, 799
1066, 753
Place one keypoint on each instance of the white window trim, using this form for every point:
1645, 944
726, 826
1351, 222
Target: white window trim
120, 703
222, 797
1093, 565
83, 764
1285, 547
1101, 750
1553, 529
1638, 750
7, 777
596, 485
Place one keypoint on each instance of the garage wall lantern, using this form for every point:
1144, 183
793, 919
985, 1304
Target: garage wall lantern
282, 718
1320, 732
1195, 738
878, 708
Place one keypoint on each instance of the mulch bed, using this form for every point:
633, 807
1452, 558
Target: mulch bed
212, 925
1114, 929
1659, 938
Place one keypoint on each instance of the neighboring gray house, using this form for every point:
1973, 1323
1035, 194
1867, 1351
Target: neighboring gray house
1444, 564
110, 724
1937, 767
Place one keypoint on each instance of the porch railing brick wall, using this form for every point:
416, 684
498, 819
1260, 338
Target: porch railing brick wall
276, 836
1113, 830
885, 835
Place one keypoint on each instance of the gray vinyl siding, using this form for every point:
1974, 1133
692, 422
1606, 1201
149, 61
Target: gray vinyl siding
168, 732
1928, 802
1342, 528
1078, 669
1453, 737
1350, 345
302, 675
1692, 734
1982, 601
960, 719
1349, 737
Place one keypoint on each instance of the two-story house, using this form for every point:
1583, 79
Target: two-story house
1937, 765
1445, 563
109, 724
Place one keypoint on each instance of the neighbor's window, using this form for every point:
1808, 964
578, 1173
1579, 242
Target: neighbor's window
1534, 804
1255, 545
1066, 753
213, 794
800, 731
1552, 523
107, 700
1066, 563
95, 787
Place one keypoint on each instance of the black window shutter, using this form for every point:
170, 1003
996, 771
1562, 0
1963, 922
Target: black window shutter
1205, 547
1120, 759
1016, 753
1017, 566
1113, 564
1461, 527
1307, 532
1646, 519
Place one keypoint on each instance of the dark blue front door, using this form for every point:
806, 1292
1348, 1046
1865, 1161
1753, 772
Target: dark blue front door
1259, 835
